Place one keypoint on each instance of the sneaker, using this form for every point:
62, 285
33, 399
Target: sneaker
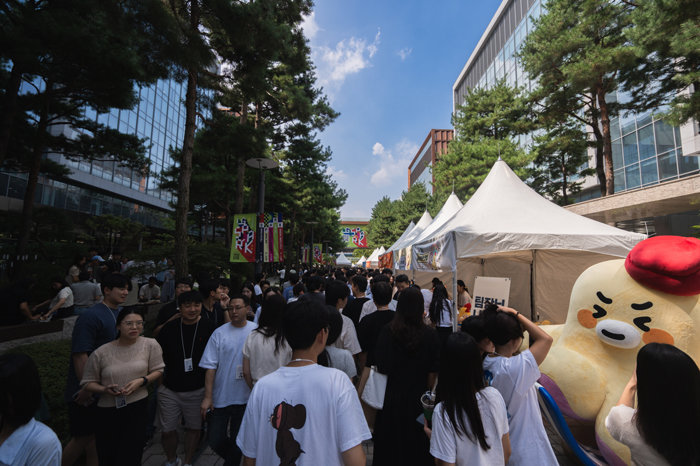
177, 462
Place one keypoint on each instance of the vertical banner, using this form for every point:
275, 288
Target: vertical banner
305, 256
386, 261
278, 230
437, 255
317, 254
490, 290
243, 241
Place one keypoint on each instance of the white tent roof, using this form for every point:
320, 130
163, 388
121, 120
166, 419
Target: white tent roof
381, 251
406, 232
374, 257
342, 260
505, 214
422, 224
361, 260
448, 210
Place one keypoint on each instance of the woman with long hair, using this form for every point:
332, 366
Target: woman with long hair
408, 352
248, 289
61, 305
265, 349
470, 422
665, 427
440, 312
119, 371
514, 374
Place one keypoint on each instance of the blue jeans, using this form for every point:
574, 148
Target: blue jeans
221, 423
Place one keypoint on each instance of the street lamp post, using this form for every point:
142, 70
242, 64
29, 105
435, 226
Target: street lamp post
261, 163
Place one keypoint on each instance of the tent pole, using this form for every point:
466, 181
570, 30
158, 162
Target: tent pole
455, 312
533, 266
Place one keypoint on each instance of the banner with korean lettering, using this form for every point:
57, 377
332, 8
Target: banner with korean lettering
317, 254
305, 254
437, 255
243, 238
386, 261
490, 290
354, 236
270, 237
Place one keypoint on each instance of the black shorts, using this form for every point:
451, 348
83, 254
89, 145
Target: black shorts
82, 419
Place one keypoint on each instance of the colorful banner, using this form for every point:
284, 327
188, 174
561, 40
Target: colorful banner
434, 256
271, 233
243, 240
318, 255
257, 237
354, 236
305, 256
386, 261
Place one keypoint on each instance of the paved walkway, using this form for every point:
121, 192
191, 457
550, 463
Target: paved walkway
153, 454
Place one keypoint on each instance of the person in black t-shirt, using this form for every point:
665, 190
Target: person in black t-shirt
171, 310
214, 302
354, 307
183, 341
371, 325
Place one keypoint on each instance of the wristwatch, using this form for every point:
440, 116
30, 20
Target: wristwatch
145, 381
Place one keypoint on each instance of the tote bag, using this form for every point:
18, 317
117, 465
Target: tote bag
375, 388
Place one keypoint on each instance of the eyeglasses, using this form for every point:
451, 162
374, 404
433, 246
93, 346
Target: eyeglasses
235, 308
130, 323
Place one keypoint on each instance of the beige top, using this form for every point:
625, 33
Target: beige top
260, 351
112, 363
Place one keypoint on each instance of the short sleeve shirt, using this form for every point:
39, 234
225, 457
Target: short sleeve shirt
449, 446
224, 352
348, 337
620, 423
32, 443
180, 342
304, 415
260, 351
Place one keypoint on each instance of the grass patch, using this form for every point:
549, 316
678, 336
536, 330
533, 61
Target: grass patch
52, 359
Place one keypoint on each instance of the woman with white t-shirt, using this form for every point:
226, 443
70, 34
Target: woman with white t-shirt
514, 376
61, 305
470, 423
265, 348
665, 427
440, 312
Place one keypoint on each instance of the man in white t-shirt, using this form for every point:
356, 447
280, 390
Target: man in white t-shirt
303, 413
225, 390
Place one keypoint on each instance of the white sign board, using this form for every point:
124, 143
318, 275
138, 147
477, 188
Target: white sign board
490, 290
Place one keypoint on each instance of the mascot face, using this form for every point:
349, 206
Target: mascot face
622, 313
617, 307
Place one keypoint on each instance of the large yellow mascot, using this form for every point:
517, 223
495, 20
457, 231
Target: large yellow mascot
617, 307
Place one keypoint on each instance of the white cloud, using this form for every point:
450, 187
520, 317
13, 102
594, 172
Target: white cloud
336, 174
404, 53
392, 164
310, 26
348, 57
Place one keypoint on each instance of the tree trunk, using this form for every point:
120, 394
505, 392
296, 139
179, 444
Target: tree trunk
33, 176
599, 164
607, 142
227, 239
9, 109
185, 174
240, 168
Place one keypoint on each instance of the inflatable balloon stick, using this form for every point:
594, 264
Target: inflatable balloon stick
616, 307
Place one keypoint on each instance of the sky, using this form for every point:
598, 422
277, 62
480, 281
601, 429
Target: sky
388, 67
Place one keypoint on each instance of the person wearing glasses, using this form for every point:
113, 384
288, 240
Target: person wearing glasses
119, 372
225, 390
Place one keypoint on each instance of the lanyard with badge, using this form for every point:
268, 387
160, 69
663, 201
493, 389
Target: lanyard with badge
189, 367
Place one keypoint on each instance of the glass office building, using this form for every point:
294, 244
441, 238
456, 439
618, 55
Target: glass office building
105, 187
646, 150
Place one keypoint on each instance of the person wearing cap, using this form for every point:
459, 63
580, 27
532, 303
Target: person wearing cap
183, 341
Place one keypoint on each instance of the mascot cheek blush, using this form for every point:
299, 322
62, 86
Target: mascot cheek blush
616, 307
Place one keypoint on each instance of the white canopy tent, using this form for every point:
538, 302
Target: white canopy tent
373, 259
506, 229
342, 260
361, 261
401, 254
406, 232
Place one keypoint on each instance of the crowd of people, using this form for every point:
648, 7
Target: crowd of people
275, 375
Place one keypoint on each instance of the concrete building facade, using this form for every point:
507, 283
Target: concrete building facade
434, 145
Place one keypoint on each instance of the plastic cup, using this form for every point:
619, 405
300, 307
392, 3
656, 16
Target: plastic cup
427, 399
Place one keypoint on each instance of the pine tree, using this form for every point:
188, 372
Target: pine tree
575, 55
